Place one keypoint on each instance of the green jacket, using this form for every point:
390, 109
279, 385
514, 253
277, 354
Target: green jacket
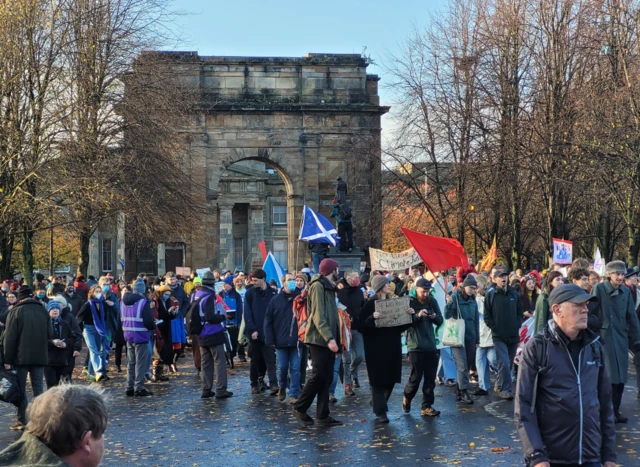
503, 314
29, 451
468, 312
542, 313
323, 323
27, 334
421, 336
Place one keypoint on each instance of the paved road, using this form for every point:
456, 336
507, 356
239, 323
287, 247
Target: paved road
177, 428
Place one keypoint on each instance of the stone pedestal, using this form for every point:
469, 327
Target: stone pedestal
256, 231
225, 254
347, 260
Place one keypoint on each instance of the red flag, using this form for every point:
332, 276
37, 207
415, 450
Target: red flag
438, 253
263, 250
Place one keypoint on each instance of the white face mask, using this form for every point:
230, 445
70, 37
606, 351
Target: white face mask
98, 296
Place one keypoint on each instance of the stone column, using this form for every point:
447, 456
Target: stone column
225, 253
298, 251
256, 232
162, 263
95, 251
120, 244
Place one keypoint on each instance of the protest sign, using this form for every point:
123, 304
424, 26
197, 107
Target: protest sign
183, 271
201, 271
219, 286
393, 311
562, 251
385, 261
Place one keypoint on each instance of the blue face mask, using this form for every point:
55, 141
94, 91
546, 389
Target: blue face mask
291, 285
166, 297
40, 295
105, 288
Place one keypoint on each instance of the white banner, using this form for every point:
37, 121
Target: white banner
384, 261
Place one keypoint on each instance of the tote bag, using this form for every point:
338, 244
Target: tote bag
453, 334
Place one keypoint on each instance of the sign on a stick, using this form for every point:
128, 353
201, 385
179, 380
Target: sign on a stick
393, 311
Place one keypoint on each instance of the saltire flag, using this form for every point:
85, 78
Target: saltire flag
437, 253
273, 269
316, 228
121, 264
490, 258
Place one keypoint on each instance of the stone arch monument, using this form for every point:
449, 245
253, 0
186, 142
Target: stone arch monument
311, 119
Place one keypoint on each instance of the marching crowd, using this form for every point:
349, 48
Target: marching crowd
582, 327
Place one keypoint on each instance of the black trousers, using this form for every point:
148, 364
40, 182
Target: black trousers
345, 232
590, 464
261, 356
304, 361
379, 398
424, 366
616, 396
67, 373
323, 360
52, 375
119, 348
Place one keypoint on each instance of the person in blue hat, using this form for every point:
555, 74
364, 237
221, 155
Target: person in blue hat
233, 300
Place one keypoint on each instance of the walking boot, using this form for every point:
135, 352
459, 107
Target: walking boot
274, 390
356, 383
465, 398
348, 391
282, 394
262, 385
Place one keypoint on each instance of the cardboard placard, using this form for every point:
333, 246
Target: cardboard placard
385, 261
183, 271
201, 271
393, 311
219, 286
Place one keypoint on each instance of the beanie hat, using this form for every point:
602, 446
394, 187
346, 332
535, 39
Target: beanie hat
327, 266
424, 283
25, 292
208, 279
197, 280
616, 266
139, 286
259, 274
53, 304
228, 280
378, 283
470, 281
61, 300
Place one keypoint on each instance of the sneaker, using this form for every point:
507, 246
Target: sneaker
429, 412
129, 393
105, 377
17, 426
620, 418
143, 393
480, 392
329, 421
497, 389
262, 385
473, 379
465, 398
356, 383
332, 398
406, 405
255, 390
224, 395
450, 383
147, 378
207, 394
380, 419
506, 396
274, 390
90, 379
293, 400
439, 381
99, 377
303, 417
282, 394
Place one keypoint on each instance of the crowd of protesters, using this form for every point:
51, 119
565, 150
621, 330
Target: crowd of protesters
326, 322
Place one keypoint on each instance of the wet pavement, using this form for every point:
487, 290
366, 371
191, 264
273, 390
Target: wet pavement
177, 428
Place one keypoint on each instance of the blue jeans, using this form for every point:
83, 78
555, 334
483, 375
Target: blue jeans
97, 350
505, 353
336, 375
150, 359
316, 259
485, 360
289, 368
447, 367
357, 352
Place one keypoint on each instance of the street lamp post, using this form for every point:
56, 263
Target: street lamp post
475, 234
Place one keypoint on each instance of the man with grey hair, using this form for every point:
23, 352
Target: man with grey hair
66, 429
616, 321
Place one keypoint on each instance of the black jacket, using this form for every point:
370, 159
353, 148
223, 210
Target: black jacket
353, 299
27, 334
68, 317
256, 302
572, 408
280, 324
320, 249
75, 301
503, 314
58, 356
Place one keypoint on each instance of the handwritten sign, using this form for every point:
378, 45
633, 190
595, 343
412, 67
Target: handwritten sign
183, 271
393, 311
562, 251
384, 261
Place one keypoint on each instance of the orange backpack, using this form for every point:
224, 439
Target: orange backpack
300, 312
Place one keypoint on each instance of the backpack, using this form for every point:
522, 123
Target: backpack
300, 312
193, 317
345, 211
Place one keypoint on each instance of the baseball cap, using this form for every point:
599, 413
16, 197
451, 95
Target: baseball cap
570, 293
424, 283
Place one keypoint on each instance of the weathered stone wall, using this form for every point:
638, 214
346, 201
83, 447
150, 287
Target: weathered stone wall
312, 118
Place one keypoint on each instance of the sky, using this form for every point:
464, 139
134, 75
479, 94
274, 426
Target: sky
294, 28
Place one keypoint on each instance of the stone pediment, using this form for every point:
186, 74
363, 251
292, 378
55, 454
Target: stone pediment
242, 173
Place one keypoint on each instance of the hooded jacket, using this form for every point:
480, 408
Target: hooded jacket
503, 314
256, 302
29, 450
323, 324
353, 299
421, 335
571, 420
280, 324
27, 333
466, 309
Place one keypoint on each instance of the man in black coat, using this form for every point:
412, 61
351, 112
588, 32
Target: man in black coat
256, 302
25, 340
563, 408
350, 295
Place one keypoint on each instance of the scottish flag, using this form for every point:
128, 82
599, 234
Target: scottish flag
273, 269
316, 228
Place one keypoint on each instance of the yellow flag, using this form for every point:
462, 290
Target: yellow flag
490, 258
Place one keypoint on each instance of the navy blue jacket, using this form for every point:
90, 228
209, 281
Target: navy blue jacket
280, 324
233, 293
256, 302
